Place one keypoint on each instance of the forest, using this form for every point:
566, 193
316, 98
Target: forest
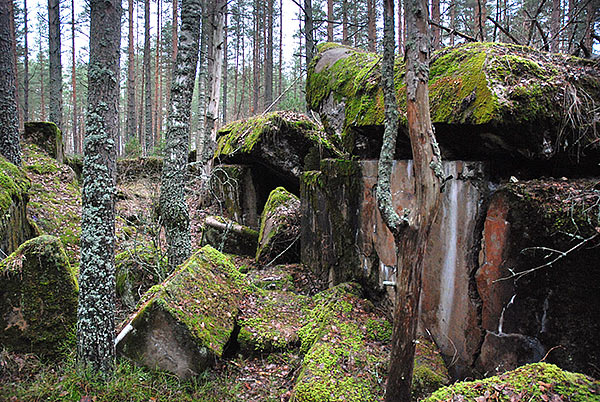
299, 200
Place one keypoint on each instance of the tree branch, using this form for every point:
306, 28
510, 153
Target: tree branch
504, 31
453, 31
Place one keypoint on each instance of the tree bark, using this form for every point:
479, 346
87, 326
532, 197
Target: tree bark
131, 120
309, 31
410, 231
9, 135
74, 131
96, 317
13, 52
55, 67
329, 20
268, 64
25, 65
156, 114
202, 77
225, 64
371, 21
435, 16
148, 142
255, 61
174, 46
345, 40
173, 206
280, 67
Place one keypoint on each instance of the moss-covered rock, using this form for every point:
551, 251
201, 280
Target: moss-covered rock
187, 321
47, 136
15, 228
277, 141
485, 98
133, 169
534, 382
279, 228
55, 199
38, 298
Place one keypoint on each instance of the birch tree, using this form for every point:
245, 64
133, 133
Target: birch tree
174, 210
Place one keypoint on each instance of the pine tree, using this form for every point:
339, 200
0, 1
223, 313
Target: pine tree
55, 68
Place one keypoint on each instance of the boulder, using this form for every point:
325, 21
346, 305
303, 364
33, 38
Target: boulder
38, 298
279, 228
188, 320
276, 145
503, 352
228, 236
488, 101
533, 382
15, 228
47, 136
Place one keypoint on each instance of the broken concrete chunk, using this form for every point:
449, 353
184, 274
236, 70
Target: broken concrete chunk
47, 136
187, 321
279, 228
228, 236
38, 298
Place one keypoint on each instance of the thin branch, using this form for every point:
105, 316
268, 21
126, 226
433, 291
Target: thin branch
561, 255
504, 31
281, 95
453, 31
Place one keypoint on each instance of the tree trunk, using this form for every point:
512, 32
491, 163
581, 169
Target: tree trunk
435, 16
131, 123
452, 20
76, 141
25, 65
345, 40
173, 51
309, 31
216, 19
56, 104
148, 143
329, 20
412, 230
255, 56
9, 135
400, 30
554, 25
480, 17
156, 114
269, 56
13, 52
202, 78
173, 206
280, 67
371, 21
225, 63
96, 312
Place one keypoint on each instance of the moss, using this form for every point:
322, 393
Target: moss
14, 185
47, 136
202, 296
533, 382
243, 136
39, 297
379, 330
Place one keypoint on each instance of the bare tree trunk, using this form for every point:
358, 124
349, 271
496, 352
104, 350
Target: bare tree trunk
410, 231
173, 206
268, 64
480, 17
452, 20
345, 40
173, 51
329, 20
216, 17
156, 113
435, 16
131, 123
42, 79
96, 312
9, 135
255, 56
236, 23
76, 141
225, 64
280, 68
371, 21
554, 25
202, 78
25, 65
148, 142
309, 31
13, 52
56, 104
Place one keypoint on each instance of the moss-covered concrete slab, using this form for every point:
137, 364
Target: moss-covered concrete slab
347, 345
187, 321
15, 228
534, 382
38, 298
280, 142
279, 233
488, 100
47, 136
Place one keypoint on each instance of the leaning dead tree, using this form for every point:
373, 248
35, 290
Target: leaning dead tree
411, 231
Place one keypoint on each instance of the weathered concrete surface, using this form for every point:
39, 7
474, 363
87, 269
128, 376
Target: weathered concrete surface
38, 298
186, 321
488, 101
228, 236
504, 352
233, 191
47, 136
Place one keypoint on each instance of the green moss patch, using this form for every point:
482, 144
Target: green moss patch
14, 185
55, 199
533, 382
38, 298
47, 136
